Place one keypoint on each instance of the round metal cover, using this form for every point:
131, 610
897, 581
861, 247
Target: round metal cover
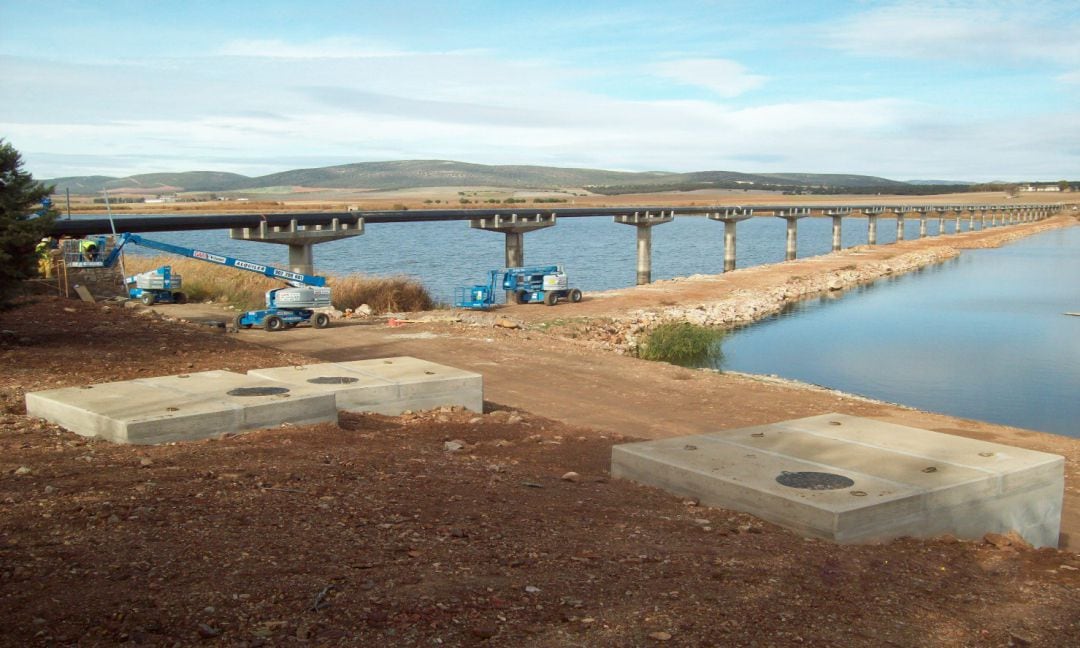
814, 480
333, 380
258, 391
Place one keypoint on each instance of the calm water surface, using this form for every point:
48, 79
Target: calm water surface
597, 253
983, 336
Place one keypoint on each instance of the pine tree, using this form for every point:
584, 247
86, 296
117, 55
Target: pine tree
21, 224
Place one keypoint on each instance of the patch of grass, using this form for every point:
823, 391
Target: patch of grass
247, 290
683, 343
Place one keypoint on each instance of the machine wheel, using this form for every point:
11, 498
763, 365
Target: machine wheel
574, 296
179, 298
522, 297
148, 298
239, 323
273, 323
321, 320
550, 298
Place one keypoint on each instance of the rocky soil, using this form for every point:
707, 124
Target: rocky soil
435, 528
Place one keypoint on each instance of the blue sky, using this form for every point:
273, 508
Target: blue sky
907, 90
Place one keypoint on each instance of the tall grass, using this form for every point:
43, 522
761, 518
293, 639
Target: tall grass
683, 343
207, 282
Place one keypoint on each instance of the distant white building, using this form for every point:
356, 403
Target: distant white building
1041, 187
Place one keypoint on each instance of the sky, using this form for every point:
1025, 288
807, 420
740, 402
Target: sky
909, 89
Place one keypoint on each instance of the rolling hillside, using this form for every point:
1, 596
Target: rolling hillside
408, 174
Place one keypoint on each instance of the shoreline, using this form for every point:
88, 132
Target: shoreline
743, 306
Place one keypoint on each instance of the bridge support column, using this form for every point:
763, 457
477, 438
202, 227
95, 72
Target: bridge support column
957, 213
514, 226
837, 226
730, 218
940, 222
982, 218
644, 224
300, 239
922, 222
792, 217
899, 211
871, 224
971, 219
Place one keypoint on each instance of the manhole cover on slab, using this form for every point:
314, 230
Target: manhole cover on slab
258, 391
814, 480
333, 380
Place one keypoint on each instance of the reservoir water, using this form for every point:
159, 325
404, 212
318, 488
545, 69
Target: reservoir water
597, 253
983, 336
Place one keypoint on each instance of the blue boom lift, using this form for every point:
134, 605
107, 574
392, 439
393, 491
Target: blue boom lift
285, 307
530, 285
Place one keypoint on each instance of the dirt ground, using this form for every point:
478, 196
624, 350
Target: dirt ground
376, 532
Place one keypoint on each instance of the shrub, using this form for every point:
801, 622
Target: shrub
246, 290
683, 343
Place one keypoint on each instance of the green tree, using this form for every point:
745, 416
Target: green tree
21, 226
1063, 185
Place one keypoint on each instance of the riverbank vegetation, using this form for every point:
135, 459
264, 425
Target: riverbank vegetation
206, 282
683, 343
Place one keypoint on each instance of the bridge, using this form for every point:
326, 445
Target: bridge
301, 231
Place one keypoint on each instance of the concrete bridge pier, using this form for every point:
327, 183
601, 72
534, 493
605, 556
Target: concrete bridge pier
644, 224
837, 225
921, 211
958, 213
982, 218
971, 219
940, 221
514, 226
871, 224
300, 239
730, 218
792, 217
899, 211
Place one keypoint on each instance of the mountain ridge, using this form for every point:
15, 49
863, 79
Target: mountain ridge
411, 174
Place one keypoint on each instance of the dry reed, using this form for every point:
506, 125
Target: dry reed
206, 282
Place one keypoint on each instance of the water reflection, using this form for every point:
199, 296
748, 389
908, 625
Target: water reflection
981, 336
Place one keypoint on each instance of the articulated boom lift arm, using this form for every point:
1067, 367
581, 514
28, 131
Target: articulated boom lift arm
288, 276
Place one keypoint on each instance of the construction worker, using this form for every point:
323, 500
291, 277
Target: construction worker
45, 262
89, 249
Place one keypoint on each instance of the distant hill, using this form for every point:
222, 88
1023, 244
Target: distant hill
154, 182
409, 174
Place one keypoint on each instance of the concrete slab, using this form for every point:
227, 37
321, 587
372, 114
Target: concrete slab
386, 385
180, 408
850, 479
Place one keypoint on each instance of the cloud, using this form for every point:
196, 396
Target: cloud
984, 33
254, 116
723, 77
320, 49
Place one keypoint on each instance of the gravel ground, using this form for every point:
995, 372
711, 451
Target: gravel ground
435, 528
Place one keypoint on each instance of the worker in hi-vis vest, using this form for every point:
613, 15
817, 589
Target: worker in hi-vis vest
89, 249
45, 263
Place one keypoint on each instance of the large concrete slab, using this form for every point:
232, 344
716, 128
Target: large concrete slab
180, 408
852, 479
386, 385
